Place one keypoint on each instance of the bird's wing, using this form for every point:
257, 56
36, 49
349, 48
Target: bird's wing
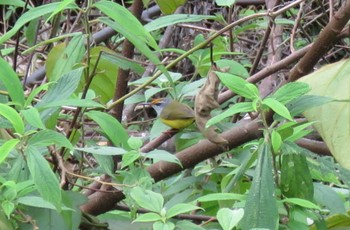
174, 113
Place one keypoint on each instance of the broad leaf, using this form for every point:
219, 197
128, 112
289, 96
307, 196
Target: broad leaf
32, 116
103, 150
328, 197
242, 107
162, 155
126, 24
61, 90
277, 107
148, 217
290, 92
147, 199
332, 119
11, 82
180, 208
6, 148
172, 19
239, 85
13, 117
111, 127
169, 6
45, 180
296, 181
261, 207
49, 137
229, 218
62, 59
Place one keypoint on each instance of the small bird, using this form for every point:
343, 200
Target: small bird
173, 113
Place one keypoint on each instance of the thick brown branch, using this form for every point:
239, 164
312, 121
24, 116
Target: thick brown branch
325, 41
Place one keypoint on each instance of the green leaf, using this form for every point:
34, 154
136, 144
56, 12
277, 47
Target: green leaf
221, 196
35, 201
61, 90
296, 180
179, 209
8, 207
126, 24
173, 19
18, 3
276, 141
61, 7
277, 107
135, 143
111, 127
107, 69
49, 137
326, 196
228, 3
162, 155
241, 107
117, 60
30, 15
290, 92
11, 82
13, 117
62, 59
45, 180
32, 116
147, 199
163, 226
239, 85
332, 118
302, 203
148, 217
305, 102
129, 158
261, 207
228, 218
103, 150
106, 163
169, 6
6, 148
74, 102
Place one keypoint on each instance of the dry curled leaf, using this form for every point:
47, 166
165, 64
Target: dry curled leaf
206, 101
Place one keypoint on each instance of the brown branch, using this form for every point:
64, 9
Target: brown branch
123, 75
240, 134
326, 39
318, 147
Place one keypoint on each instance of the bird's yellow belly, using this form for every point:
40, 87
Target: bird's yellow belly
178, 124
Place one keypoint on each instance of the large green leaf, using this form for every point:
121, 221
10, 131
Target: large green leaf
260, 210
48, 137
126, 24
45, 180
13, 117
332, 119
147, 199
172, 19
111, 127
62, 58
290, 92
296, 180
103, 82
11, 82
242, 107
239, 85
61, 90
169, 6
6, 147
